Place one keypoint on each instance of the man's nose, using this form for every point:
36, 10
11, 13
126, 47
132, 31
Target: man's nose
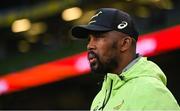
91, 44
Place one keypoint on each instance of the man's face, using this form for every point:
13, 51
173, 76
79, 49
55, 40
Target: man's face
103, 51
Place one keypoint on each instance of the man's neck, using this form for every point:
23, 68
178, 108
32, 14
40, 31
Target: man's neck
124, 62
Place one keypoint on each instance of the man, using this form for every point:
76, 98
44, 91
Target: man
131, 82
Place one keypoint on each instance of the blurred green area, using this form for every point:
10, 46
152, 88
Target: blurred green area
23, 61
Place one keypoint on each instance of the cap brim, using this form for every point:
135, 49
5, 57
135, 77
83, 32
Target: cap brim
82, 31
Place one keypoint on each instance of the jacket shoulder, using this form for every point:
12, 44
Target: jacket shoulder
149, 93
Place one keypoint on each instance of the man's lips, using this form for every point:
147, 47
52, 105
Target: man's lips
92, 60
92, 57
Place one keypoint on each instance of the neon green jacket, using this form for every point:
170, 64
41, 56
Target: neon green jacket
141, 87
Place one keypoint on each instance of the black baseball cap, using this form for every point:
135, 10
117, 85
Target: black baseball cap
107, 19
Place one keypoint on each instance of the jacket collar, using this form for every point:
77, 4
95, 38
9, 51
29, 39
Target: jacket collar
137, 68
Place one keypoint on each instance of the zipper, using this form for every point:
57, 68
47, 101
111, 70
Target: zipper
107, 97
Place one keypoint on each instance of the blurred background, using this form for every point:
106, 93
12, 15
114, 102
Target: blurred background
43, 67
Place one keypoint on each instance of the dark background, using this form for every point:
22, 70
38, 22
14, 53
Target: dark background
77, 92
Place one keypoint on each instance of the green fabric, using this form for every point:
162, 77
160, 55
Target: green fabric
141, 87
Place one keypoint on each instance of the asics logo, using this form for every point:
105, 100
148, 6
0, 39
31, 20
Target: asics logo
122, 25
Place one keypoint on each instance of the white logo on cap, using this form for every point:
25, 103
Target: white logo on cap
122, 25
92, 22
95, 16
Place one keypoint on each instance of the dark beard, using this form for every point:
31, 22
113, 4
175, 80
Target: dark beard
104, 68
108, 66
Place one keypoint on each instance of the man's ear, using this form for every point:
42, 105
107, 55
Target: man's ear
125, 43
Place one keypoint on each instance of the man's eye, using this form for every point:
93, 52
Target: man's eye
98, 35
88, 39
